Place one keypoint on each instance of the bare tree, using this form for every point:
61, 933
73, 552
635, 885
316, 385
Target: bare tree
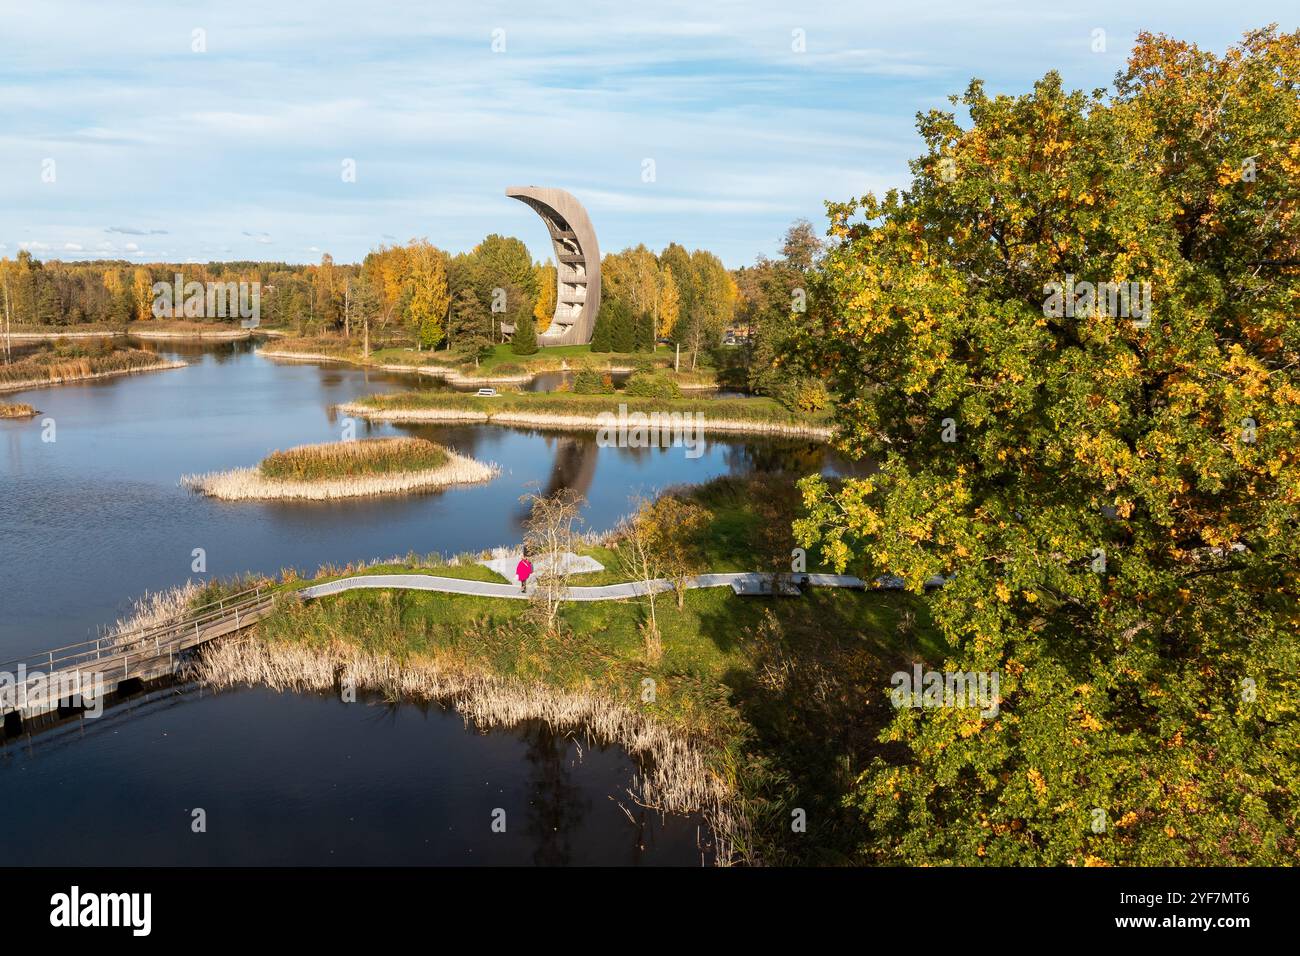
644, 559
550, 534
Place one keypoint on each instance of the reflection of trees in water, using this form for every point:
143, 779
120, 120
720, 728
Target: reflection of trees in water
573, 467
556, 807
797, 456
747, 457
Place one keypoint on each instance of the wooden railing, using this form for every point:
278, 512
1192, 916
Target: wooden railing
36, 683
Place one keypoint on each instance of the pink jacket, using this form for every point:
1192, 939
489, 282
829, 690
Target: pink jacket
523, 570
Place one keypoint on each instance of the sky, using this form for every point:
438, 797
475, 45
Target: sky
188, 131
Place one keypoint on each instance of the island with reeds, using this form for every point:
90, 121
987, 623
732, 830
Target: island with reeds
569, 411
17, 410
722, 700
495, 366
346, 469
65, 363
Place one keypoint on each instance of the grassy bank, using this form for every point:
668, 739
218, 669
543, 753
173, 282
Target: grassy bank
73, 363
759, 706
500, 366
179, 329
344, 470
582, 412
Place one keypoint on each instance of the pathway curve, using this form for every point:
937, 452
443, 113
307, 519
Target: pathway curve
749, 581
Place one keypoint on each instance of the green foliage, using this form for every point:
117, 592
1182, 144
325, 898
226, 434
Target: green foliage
524, 341
591, 382
1123, 544
602, 332
651, 385
805, 394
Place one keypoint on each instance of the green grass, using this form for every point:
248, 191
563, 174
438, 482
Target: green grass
786, 696
760, 410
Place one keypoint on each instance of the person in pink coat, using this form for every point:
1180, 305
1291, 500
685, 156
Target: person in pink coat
522, 570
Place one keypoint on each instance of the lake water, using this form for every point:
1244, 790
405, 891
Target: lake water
96, 517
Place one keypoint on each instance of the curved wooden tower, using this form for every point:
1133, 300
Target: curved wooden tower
577, 263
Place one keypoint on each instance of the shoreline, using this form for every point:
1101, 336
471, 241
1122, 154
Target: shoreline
566, 422
51, 336
248, 484
219, 335
450, 374
673, 773
72, 380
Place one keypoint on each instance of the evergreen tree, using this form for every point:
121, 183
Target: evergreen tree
622, 328
524, 341
601, 334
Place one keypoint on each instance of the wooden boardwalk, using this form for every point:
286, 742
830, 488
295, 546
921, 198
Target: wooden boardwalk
67, 677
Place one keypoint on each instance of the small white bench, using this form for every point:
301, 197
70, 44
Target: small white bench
487, 393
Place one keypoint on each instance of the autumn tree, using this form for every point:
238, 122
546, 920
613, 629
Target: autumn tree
544, 310
428, 296
1113, 489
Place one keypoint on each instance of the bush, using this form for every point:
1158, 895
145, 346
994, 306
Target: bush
805, 395
591, 382
651, 385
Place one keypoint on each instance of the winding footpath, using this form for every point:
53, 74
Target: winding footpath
746, 582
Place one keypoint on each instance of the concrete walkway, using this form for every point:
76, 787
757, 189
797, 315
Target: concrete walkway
748, 580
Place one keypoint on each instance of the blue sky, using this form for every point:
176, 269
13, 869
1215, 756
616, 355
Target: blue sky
164, 153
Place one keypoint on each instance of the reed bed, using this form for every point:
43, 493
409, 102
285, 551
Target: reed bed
571, 412
154, 609
350, 459
16, 410
56, 366
245, 484
674, 775
189, 330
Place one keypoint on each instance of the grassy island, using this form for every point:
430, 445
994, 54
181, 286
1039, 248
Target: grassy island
16, 410
346, 469
759, 704
499, 366
574, 412
66, 363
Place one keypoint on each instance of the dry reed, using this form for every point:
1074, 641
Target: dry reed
247, 484
674, 775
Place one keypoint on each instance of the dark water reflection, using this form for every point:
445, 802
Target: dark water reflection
306, 779
96, 517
